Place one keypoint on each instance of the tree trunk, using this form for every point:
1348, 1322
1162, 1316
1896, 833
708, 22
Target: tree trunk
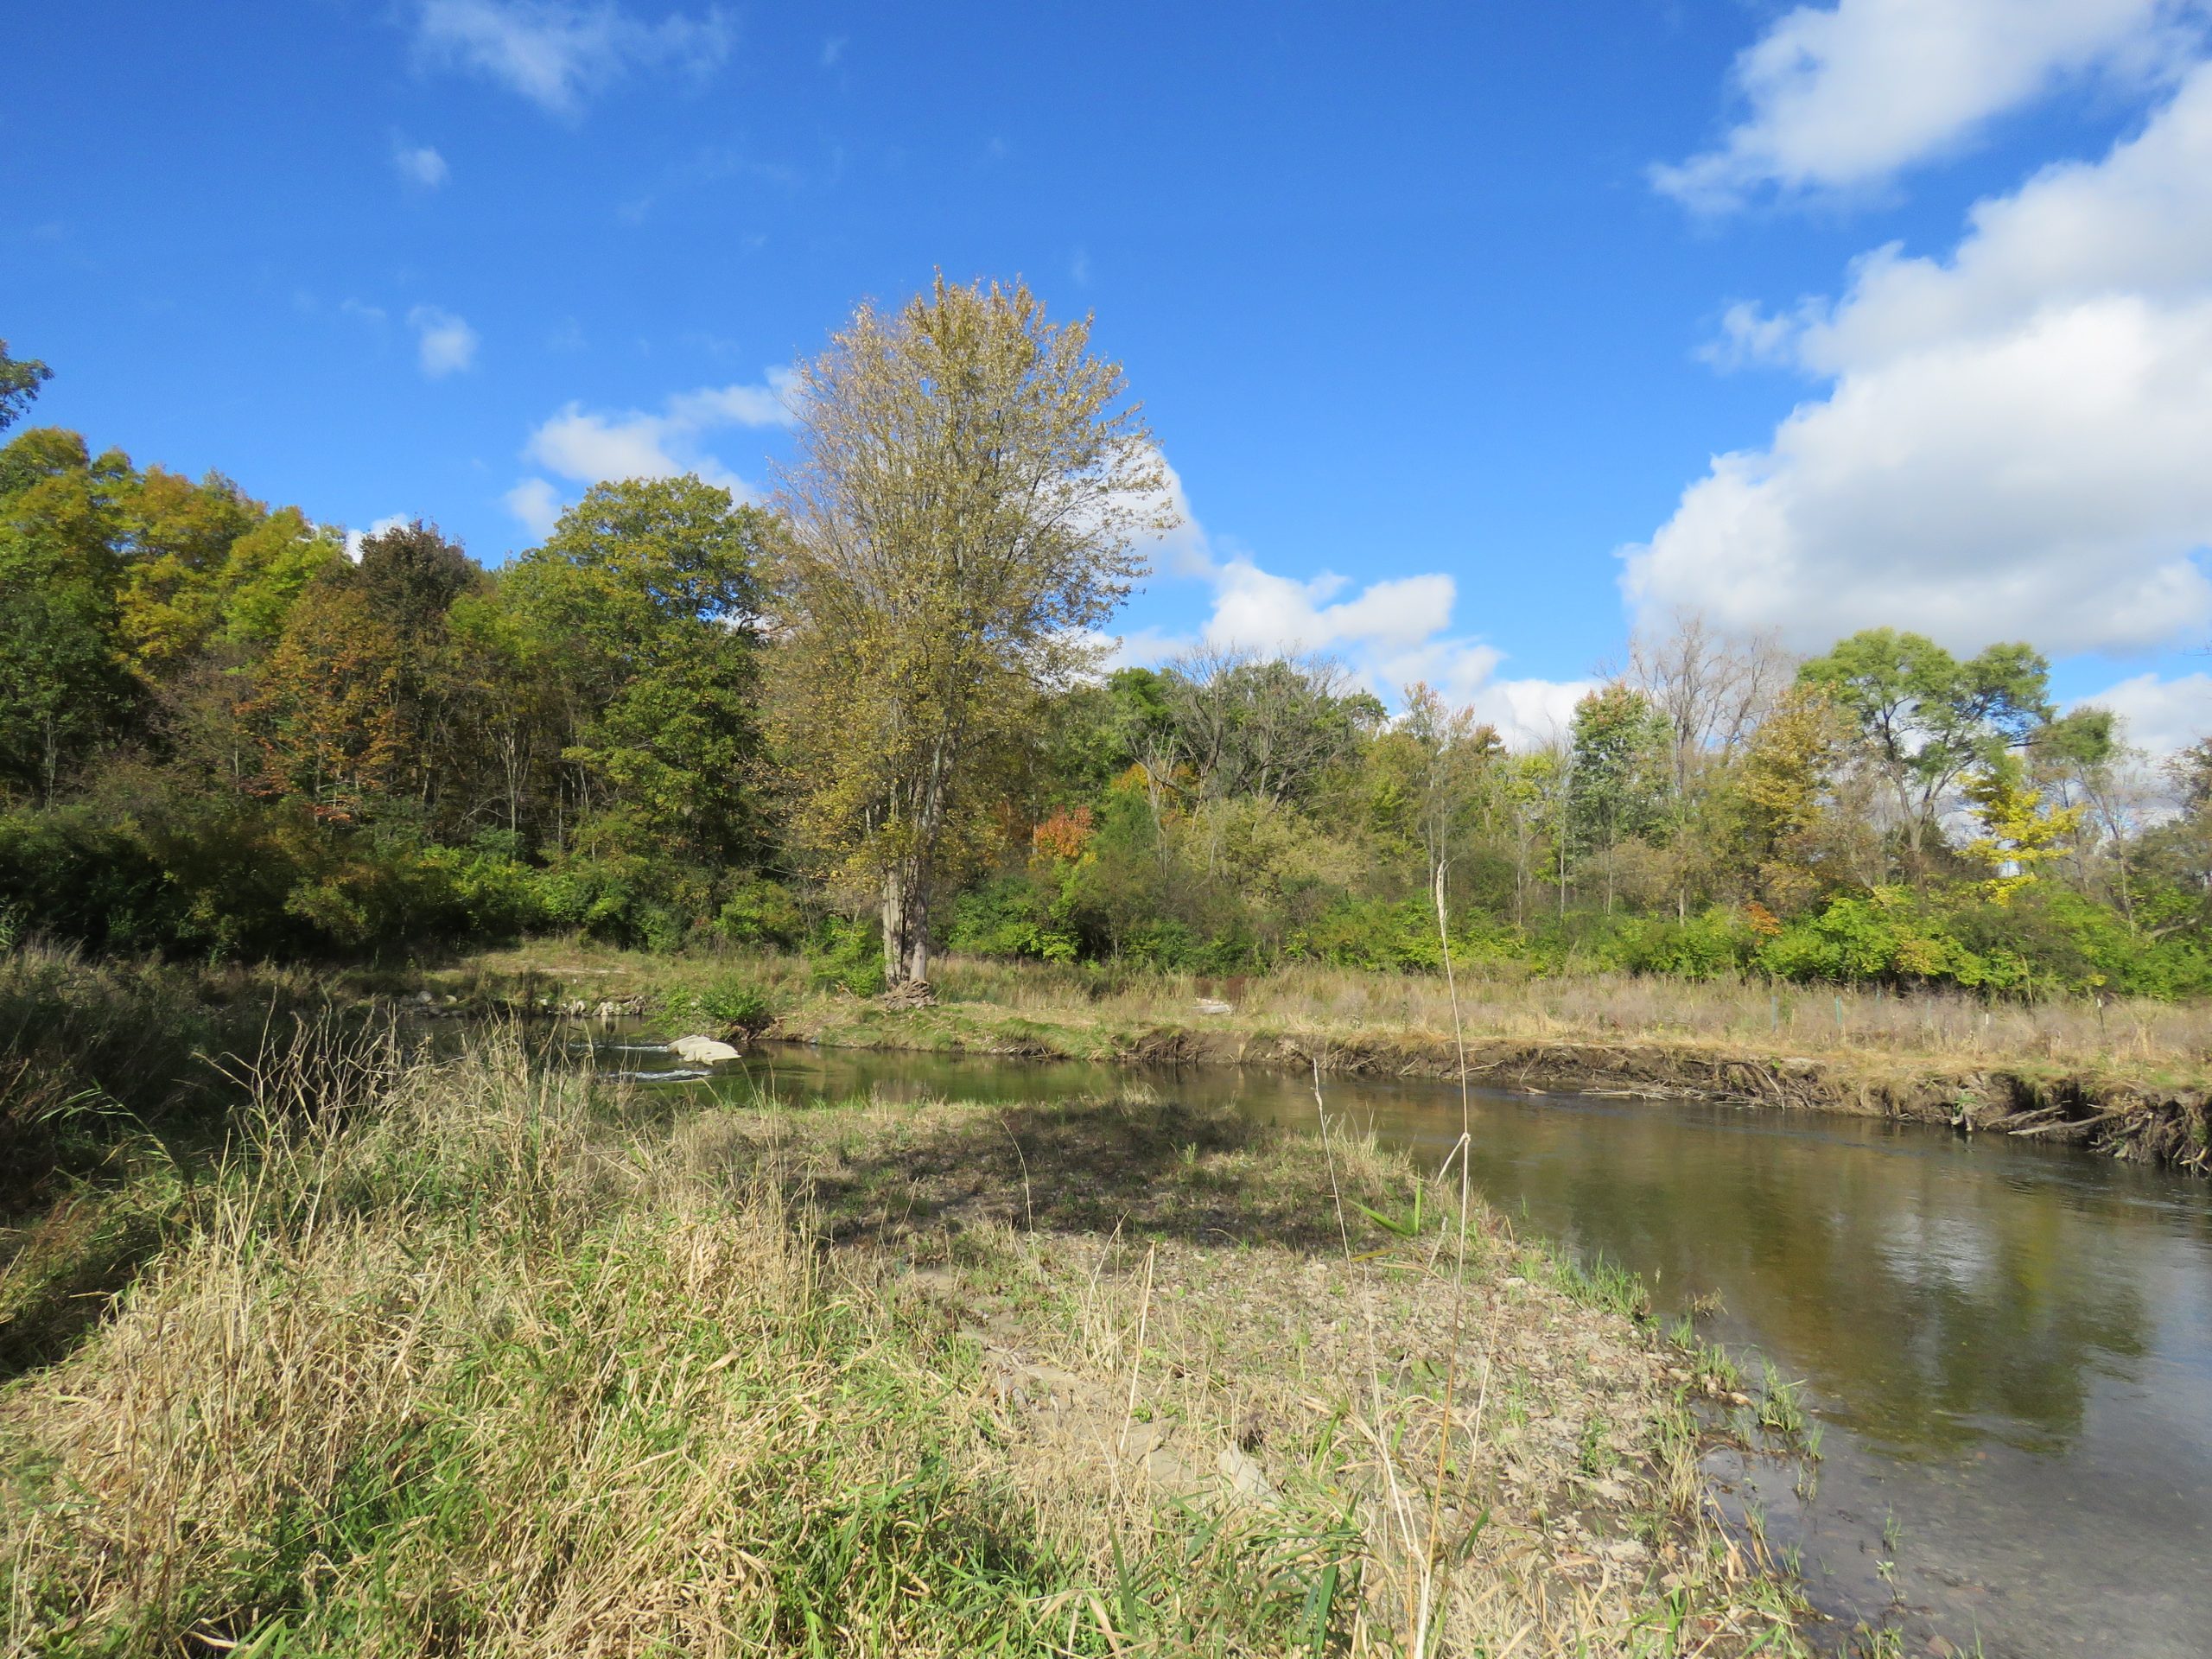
906, 923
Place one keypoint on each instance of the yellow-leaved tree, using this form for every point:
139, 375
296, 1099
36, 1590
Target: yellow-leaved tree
969, 500
2018, 831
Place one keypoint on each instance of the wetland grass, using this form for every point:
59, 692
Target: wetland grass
475, 1358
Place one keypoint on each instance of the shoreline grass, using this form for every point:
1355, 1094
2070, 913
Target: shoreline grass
475, 1358
2165, 1044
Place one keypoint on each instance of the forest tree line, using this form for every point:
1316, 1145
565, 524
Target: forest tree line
686, 720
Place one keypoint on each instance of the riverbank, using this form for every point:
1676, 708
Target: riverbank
2129, 1080
479, 1358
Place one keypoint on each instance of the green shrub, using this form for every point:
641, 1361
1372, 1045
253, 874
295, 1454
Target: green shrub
849, 956
1716, 942
737, 1004
1889, 936
761, 912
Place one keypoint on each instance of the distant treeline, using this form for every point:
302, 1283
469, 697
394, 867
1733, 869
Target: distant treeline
225, 733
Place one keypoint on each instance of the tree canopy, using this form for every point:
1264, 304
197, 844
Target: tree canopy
869, 719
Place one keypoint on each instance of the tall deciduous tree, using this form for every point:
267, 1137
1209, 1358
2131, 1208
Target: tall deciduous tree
1623, 751
970, 491
1926, 718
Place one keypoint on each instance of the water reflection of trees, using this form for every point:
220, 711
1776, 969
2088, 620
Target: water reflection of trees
1931, 1292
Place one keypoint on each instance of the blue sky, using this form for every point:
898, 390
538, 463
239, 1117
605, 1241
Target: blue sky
1451, 321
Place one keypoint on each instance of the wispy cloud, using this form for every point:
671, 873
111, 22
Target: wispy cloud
2159, 716
420, 164
445, 343
559, 54
537, 504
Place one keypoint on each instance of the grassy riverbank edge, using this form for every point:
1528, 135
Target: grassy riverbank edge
2153, 1110
471, 1356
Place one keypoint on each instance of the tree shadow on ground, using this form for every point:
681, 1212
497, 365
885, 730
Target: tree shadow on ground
1155, 1169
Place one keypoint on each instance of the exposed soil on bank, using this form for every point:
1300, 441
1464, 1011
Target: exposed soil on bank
1171, 1306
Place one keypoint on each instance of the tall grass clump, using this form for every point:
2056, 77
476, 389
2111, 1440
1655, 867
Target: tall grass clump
476, 1356
461, 1359
95, 1053
116, 1083
452, 1370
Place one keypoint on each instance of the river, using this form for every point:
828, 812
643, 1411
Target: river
2009, 1347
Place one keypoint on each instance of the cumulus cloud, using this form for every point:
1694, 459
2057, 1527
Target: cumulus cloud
1847, 96
420, 164
2160, 715
588, 446
1388, 634
2012, 441
558, 54
445, 343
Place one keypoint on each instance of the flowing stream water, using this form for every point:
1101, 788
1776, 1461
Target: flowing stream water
2009, 1347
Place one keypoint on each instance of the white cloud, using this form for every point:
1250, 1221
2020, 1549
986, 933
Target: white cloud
589, 445
2012, 442
445, 343
1389, 633
768, 404
420, 164
537, 504
558, 54
2160, 715
1846, 96
355, 537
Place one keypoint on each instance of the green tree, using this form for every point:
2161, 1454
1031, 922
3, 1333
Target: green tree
1925, 718
20, 379
1249, 725
177, 537
1624, 750
62, 687
644, 605
967, 498
1456, 756
1783, 795
61, 692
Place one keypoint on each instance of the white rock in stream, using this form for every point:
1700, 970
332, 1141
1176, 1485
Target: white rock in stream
701, 1050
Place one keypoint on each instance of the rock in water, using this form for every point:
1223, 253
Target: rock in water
702, 1051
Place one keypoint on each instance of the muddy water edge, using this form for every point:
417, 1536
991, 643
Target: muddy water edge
2006, 1347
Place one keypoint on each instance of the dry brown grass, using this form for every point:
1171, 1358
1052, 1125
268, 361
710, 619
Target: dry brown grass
1082, 1011
1754, 1018
469, 1358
